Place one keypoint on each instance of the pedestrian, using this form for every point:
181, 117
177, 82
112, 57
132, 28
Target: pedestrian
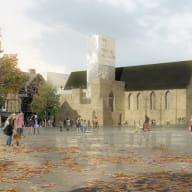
137, 127
84, 127
190, 125
36, 125
96, 122
71, 123
81, 125
146, 124
31, 122
8, 128
64, 123
68, 123
19, 123
78, 125
61, 125
93, 122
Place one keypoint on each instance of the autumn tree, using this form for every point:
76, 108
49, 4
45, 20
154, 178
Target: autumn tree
46, 102
11, 77
1, 98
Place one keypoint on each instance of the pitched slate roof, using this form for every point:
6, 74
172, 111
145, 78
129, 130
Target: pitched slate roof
173, 75
76, 80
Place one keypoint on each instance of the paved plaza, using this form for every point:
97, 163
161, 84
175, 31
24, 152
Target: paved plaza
104, 159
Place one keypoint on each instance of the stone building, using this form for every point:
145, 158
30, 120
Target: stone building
21, 101
120, 95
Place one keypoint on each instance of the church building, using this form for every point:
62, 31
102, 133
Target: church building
118, 95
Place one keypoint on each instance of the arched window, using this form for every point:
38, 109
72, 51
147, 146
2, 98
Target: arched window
130, 101
138, 101
167, 100
110, 102
152, 101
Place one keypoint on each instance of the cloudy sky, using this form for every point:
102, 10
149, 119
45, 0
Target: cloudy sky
50, 35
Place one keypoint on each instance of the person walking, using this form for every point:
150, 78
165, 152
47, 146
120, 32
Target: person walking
137, 128
61, 125
84, 127
64, 123
88, 124
96, 122
68, 124
8, 128
190, 125
146, 124
36, 125
19, 123
93, 123
31, 122
78, 125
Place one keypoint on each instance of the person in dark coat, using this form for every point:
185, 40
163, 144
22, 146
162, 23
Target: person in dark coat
30, 123
146, 124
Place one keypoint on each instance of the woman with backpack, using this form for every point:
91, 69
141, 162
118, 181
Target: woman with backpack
8, 128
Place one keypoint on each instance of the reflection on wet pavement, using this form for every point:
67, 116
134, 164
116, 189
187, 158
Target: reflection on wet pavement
62, 161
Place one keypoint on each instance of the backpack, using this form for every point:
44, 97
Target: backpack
8, 130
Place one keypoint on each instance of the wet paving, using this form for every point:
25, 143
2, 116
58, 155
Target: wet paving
68, 160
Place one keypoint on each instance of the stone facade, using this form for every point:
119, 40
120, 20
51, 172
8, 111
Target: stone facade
125, 95
164, 110
129, 107
98, 106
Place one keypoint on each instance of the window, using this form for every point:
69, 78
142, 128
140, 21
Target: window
110, 102
130, 102
104, 43
152, 101
167, 100
138, 101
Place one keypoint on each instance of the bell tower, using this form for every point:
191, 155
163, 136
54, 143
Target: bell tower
100, 59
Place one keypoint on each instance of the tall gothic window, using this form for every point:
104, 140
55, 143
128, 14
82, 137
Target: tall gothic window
167, 100
110, 102
152, 101
138, 101
130, 101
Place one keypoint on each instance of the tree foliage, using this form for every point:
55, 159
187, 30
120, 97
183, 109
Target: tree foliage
46, 102
11, 77
1, 98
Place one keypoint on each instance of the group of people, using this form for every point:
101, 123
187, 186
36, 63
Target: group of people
81, 124
32, 124
15, 124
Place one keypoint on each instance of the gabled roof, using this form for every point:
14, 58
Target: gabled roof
77, 80
173, 75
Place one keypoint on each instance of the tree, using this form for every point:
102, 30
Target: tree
46, 102
1, 98
11, 77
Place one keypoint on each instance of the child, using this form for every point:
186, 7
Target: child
137, 127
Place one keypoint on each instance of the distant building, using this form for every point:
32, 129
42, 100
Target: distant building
57, 80
120, 95
21, 101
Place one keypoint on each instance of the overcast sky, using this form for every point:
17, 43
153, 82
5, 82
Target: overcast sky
50, 35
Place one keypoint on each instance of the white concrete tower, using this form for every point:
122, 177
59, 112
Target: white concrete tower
100, 59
